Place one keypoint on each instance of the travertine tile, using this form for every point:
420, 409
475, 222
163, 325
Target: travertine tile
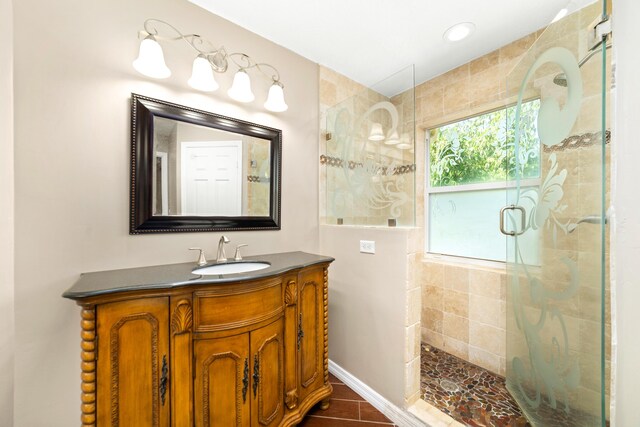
327, 92
484, 62
452, 76
432, 338
485, 86
414, 306
456, 278
432, 297
516, 49
484, 359
485, 310
487, 338
456, 96
432, 319
456, 303
412, 377
433, 274
455, 327
484, 283
457, 348
431, 104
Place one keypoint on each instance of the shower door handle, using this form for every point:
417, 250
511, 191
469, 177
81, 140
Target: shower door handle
522, 217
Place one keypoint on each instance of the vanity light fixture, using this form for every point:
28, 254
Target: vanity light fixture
209, 59
459, 31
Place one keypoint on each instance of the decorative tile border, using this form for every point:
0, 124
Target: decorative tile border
339, 163
575, 141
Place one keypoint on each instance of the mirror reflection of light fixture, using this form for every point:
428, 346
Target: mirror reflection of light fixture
150, 62
405, 142
376, 133
393, 138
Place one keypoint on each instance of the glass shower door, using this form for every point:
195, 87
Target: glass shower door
557, 354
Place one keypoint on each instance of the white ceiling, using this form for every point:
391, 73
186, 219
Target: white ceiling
369, 40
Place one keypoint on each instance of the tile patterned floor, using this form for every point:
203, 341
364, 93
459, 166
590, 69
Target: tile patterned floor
468, 393
347, 409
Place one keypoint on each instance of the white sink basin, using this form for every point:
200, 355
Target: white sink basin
230, 268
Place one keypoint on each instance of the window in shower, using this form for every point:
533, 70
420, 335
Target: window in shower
469, 176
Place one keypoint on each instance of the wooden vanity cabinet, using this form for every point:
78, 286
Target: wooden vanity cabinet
132, 368
251, 353
240, 378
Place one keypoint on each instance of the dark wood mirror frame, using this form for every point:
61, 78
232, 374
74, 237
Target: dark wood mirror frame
142, 220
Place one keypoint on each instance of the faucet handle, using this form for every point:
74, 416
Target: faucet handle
201, 259
237, 256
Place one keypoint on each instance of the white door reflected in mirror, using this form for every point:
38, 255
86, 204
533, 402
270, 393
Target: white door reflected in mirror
202, 171
211, 178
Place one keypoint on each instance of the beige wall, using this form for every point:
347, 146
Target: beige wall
371, 304
6, 214
72, 87
626, 205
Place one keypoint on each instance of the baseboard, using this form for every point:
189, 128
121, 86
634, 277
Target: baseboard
399, 416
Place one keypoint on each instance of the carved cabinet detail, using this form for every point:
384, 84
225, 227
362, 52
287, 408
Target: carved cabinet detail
249, 353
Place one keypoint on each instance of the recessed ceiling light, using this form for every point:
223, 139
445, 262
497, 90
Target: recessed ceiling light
459, 31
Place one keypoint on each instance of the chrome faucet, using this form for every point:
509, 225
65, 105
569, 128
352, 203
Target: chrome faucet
222, 257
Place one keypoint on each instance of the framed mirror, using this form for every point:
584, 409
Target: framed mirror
192, 170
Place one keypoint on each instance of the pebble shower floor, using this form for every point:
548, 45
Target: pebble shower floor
468, 393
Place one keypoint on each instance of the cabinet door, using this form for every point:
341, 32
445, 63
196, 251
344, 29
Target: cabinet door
310, 343
222, 381
267, 380
133, 365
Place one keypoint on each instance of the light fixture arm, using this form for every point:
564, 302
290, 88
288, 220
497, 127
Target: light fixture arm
217, 57
245, 62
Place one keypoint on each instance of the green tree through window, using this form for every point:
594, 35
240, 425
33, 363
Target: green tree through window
477, 149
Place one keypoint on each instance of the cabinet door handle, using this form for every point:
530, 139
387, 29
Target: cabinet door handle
245, 380
164, 380
256, 374
300, 331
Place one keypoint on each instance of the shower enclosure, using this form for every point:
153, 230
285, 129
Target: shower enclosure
558, 322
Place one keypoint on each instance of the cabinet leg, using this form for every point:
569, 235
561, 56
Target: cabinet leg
324, 404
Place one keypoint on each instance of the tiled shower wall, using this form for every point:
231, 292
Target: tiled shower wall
463, 312
463, 306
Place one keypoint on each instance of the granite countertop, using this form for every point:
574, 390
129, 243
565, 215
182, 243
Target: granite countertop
171, 276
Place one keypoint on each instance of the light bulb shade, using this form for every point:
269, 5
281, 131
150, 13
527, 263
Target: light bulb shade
376, 133
150, 60
241, 88
202, 75
393, 138
275, 99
